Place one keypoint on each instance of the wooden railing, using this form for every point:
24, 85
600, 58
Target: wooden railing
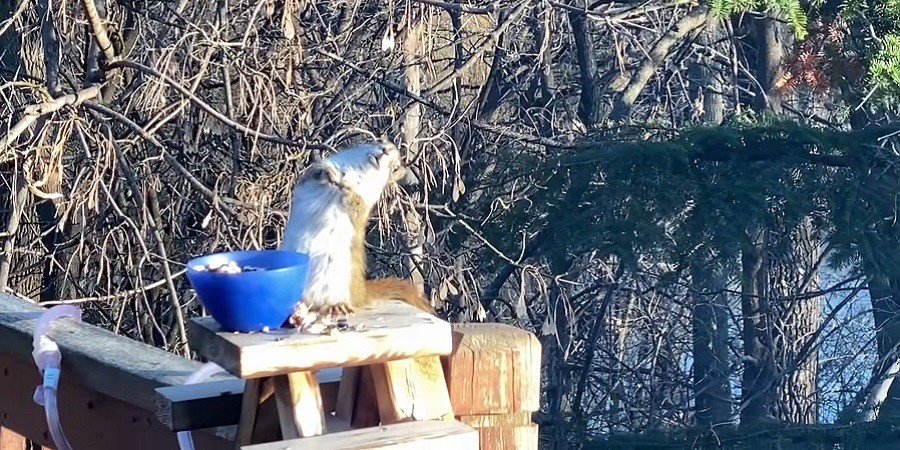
117, 393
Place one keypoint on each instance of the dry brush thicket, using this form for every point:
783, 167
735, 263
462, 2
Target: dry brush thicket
139, 134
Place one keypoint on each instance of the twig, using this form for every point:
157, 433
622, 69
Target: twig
170, 159
98, 30
209, 109
33, 112
475, 58
458, 7
483, 126
15, 16
121, 295
625, 100
153, 221
17, 205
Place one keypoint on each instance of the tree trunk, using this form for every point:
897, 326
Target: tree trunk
411, 125
759, 369
710, 347
790, 259
554, 342
588, 104
710, 317
792, 262
707, 86
772, 39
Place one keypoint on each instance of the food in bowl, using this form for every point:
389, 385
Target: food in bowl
249, 290
226, 267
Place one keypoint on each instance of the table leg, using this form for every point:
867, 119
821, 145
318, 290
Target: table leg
249, 407
356, 403
411, 389
348, 390
299, 403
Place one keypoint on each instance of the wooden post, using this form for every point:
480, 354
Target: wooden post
493, 375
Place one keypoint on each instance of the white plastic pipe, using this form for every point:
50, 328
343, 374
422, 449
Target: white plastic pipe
185, 441
48, 358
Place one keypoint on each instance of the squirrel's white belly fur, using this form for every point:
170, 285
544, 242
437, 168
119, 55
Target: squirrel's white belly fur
319, 225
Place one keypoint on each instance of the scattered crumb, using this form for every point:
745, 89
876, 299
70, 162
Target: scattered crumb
265, 329
308, 321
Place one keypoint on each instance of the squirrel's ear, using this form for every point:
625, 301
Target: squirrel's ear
325, 174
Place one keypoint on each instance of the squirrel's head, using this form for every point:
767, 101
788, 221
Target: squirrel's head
368, 168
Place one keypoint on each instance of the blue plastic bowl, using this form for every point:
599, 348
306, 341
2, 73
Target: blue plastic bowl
250, 301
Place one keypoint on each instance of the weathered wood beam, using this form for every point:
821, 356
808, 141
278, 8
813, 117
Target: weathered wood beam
407, 435
108, 363
392, 331
90, 419
493, 377
218, 403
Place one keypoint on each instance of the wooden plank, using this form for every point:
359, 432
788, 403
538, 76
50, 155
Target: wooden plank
114, 365
493, 369
503, 431
410, 435
411, 389
266, 426
365, 406
218, 403
250, 401
336, 425
299, 405
356, 401
393, 330
347, 393
201, 405
90, 420
10, 440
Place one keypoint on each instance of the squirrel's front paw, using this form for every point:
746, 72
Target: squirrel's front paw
340, 309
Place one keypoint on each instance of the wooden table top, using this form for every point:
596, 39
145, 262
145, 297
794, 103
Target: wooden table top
393, 330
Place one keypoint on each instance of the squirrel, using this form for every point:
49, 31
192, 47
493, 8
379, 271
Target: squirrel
331, 205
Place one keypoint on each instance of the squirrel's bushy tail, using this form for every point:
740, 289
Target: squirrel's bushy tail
397, 289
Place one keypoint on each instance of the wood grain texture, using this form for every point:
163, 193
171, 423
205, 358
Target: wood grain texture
411, 389
299, 404
10, 440
504, 431
91, 420
247, 417
365, 408
411, 435
347, 394
218, 403
114, 365
394, 330
493, 369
